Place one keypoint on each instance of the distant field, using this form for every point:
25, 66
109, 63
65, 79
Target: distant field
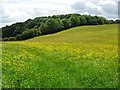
81, 57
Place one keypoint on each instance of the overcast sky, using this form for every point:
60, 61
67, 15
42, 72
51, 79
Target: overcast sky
12, 11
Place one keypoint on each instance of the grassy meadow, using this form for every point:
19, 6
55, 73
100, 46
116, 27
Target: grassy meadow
81, 57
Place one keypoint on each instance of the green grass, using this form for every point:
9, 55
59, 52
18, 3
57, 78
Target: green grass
81, 57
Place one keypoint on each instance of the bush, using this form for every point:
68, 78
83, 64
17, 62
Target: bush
29, 33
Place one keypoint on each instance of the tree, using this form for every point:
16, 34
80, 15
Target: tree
28, 33
31, 24
101, 20
51, 24
75, 21
117, 21
83, 21
94, 20
44, 29
54, 25
66, 23
18, 37
58, 25
88, 19
110, 22
11, 39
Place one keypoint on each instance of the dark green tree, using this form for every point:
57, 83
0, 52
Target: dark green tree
75, 21
101, 20
83, 21
117, 21
67, 23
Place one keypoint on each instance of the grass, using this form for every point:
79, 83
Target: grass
81, 57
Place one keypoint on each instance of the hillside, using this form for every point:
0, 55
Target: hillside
81, 57
89, 34
47, 25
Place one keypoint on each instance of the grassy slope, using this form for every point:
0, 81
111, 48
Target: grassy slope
80, 57
89, 34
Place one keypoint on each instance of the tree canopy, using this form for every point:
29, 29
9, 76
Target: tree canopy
51, 24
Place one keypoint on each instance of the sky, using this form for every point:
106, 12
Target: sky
12, 11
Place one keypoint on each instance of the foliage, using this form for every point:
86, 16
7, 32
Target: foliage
75, 21
28, 33
66, 23
117, 21
52, 24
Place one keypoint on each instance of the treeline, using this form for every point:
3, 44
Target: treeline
48, 25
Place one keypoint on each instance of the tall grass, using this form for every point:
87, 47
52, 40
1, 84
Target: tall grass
82, 57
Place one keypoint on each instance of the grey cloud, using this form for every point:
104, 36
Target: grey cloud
3, 17
81, 7
7, 19
108, 10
